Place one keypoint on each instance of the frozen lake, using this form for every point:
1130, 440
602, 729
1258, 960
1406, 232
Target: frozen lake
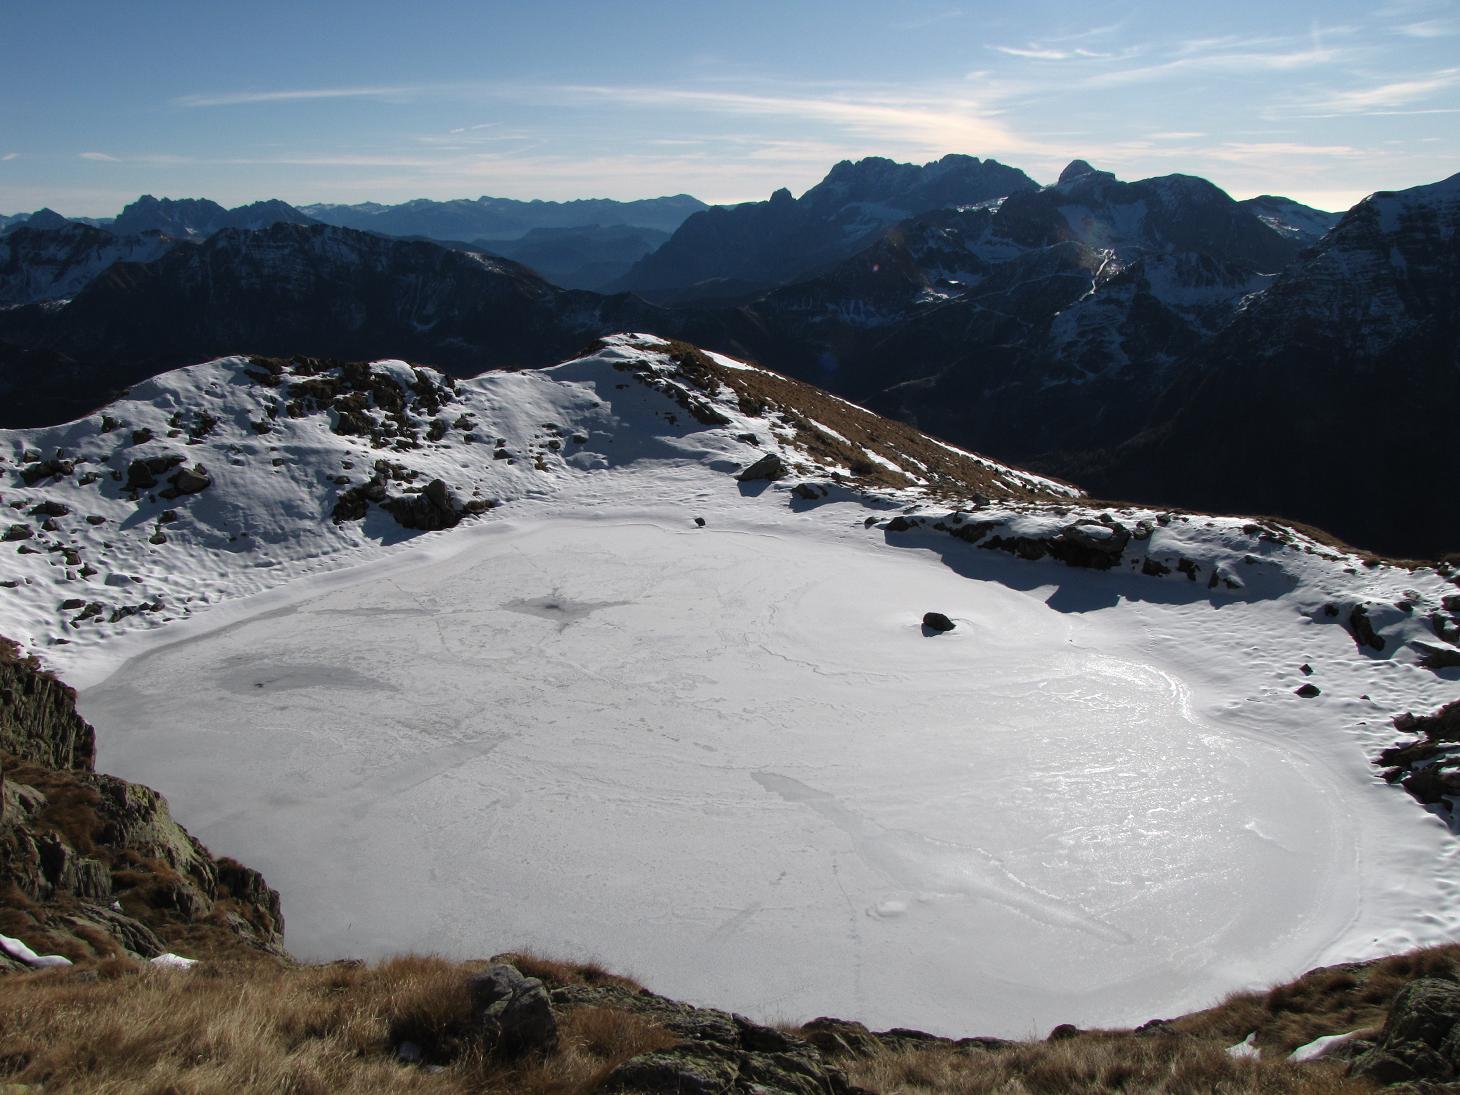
729, 761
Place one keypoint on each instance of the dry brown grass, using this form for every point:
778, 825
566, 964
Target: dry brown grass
121, 1029
855, 431
1093, 1065
1333, 1000
557, 972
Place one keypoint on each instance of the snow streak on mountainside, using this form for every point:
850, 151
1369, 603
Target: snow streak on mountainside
745, 249
1290, 218
47, 264
1331, 367
244, 471
504, 218
555, 710
1045, 322
296, 289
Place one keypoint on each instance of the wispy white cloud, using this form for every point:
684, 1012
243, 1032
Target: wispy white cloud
1226, 55
1267, 151
10, 156
931, 123
1036, 52
289, 95
100, 157
1385, 97
1430, 28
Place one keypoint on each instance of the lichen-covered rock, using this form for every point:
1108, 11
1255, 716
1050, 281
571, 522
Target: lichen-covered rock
38, 719
98, 866
1421, 1022
513, 1012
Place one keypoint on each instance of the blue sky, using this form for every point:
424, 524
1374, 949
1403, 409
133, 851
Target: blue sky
99, 102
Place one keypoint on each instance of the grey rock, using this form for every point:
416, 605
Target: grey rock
1434, 656
769, 466
514, 1013
1421, 1021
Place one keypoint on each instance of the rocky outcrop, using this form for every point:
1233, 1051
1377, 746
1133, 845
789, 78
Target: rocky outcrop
1427, 766
434, 508
1421, 1040
92, 866
38, 719
717, 1051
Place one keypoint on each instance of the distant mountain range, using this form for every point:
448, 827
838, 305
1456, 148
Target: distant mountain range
1112, 332
585, 244
504, 218
739, 251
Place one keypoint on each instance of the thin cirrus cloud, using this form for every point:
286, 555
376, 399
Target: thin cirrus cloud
98, 157
291, 95
1388, 98
925, 123
1430, 28
1035, 52
1217, 57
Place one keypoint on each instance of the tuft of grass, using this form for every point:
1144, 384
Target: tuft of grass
1092, 1064
1331, 1000
553, 971
122, 1028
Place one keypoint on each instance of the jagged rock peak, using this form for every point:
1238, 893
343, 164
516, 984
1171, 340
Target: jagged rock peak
46, 217
1078, 168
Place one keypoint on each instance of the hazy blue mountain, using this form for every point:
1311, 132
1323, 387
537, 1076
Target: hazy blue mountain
484, 218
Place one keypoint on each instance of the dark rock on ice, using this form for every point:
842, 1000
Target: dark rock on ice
769, 466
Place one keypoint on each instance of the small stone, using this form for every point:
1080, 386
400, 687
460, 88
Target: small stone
699, 522
1305, 669
1308, 691
936, 621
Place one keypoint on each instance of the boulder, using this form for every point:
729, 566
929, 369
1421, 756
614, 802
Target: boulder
1363, 628
1418, 1041
1307, 691
434, 508
1434, 656
769, 466
1097, 545
513, 1013
936, 621
701, 1069
188, 481
810, 492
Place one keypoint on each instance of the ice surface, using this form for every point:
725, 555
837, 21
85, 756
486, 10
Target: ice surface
729, 761
727, 758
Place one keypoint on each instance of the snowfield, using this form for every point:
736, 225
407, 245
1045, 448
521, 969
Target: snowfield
729, 759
